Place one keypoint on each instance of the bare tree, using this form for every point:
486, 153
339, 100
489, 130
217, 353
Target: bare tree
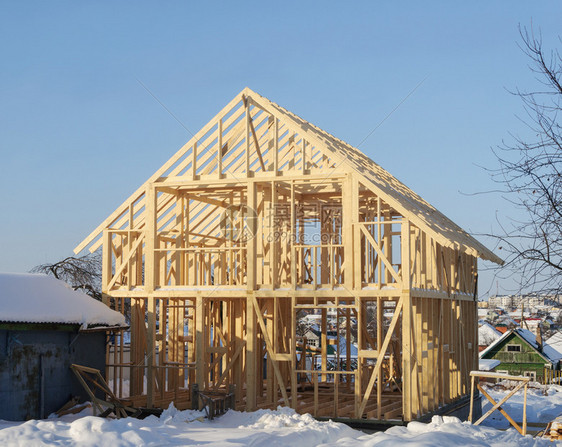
530, 172
81, 273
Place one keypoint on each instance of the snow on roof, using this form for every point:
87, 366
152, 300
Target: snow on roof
555, 341
487, 364
487, 333
554, 345
528, 336
552, 353
39, 298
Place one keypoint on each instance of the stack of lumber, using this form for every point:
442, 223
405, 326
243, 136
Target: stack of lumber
554, 429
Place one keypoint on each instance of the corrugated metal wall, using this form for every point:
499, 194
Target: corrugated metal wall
35, 378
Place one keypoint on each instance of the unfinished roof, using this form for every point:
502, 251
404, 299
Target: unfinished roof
38, 298
228, 130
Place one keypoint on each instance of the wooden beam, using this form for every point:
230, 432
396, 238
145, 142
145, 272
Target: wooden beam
256, 144
149, 282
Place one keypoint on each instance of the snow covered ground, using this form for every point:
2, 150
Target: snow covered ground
274, 428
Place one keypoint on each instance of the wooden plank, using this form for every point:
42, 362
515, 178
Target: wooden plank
406, 324
256, 143
349, 197
150, 280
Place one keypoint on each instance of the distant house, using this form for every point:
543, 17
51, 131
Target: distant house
549, 324
335, 343
506, 321
312, 337
45, 326
523, 353
531, 323
487, 334
555, 341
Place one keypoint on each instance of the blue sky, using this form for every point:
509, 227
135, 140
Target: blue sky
78, 133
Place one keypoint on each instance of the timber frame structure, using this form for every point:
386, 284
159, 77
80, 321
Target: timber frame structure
261, 219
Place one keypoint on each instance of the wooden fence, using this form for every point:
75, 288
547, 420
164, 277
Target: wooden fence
552, 376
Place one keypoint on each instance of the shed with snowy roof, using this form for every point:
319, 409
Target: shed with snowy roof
45, 326
261, 218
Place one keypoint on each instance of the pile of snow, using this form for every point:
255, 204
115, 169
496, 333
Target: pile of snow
38, 298
265, 428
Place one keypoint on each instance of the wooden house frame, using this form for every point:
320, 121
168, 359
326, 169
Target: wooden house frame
263, 217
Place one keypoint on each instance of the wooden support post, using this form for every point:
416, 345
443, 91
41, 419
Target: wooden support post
251, 327
251, 242
275, 147
524, 428
357, 251
349, 211
194, 162
293, 346
219, 148
380, 322
407, 353
106, 271
200, 341
274, 239
360, 346
470, 411
324, 343
348, 346
149, 283
303, 158
251, 348
247, 133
